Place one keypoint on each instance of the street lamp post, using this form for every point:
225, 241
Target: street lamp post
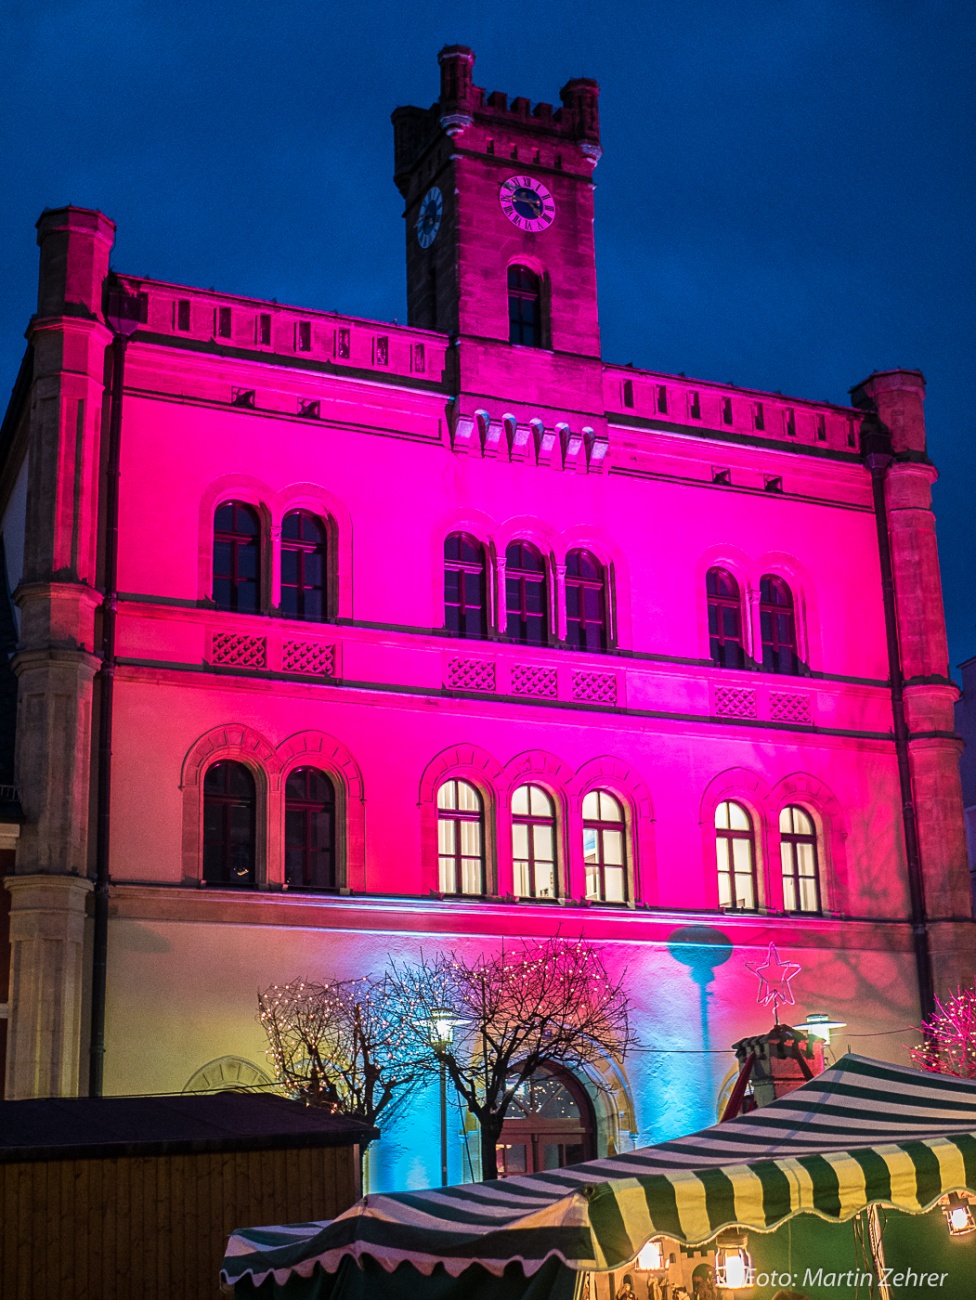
441, 1037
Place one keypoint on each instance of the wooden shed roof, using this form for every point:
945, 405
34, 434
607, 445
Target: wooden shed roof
71, 1128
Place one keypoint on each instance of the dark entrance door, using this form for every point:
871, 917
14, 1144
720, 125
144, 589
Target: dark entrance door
550, 1123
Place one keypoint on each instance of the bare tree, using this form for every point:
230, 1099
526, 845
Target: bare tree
340, 1045
545, 1004
949, 1043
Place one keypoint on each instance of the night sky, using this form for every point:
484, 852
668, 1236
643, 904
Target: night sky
786, 199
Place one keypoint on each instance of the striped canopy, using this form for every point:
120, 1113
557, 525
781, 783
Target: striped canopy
861, 1133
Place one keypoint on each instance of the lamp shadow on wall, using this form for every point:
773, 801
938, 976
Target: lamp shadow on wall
702, 948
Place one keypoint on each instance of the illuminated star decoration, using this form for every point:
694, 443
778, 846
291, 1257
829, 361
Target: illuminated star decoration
774, 980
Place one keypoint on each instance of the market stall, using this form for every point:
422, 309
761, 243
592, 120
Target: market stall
862, 1134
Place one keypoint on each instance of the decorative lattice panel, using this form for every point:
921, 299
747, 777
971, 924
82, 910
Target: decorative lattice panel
310, 657
471, 675
790, 708
735, 702
527, 680
239, 651
595, 688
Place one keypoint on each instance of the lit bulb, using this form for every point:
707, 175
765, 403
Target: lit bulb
733, 1268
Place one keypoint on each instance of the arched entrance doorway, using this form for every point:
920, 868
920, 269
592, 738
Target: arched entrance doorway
550, 1123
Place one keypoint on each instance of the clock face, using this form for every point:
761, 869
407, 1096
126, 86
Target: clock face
429, 217
527, 203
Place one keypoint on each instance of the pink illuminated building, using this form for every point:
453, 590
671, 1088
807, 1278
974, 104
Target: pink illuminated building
442, 634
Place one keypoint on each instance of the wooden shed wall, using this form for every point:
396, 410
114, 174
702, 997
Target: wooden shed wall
142, 1227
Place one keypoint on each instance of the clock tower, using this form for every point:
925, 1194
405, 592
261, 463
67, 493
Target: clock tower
499, 228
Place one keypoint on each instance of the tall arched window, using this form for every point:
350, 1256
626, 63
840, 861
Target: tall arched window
724, 619
798, 853
533, 843
310, 830
237, 558
229, 804
465, 589
586, 602
303, 566
777, 623
604, 851
460, 839
735, 852
524, 307
525, 594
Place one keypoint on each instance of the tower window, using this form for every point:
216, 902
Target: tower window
460, 839
735, 853
309, 830
662, 399
724, 619
628, 394
758, 417
303, 559
821, 428
525, 594
586, 604
465, 611
694, 406
524, 307
228, 825
223, 322
183, 314
726, 410
264, 329
789, 423
237, 558
304, 340
778, 625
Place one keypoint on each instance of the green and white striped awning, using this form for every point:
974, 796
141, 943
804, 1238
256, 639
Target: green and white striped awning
861, 1133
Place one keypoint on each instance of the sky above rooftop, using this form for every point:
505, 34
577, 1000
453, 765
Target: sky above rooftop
786, 198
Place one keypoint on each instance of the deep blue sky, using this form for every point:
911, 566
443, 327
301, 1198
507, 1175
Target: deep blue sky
786, 198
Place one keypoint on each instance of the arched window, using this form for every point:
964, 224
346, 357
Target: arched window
525, 594
237, 558
549, 1124
724, 619
524, 307
229, 804
310, 830
777, 623
603, 848
586, 602
465, 603
460, 839
798, 853
533, 843
303, 560
735, 852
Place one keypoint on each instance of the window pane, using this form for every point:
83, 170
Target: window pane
614, 884
471, 876
445, 836
589, 844
786, 820
722, 817
468, 798
724, 890
520, 840
802, 822
542, 843
545, 880
789, 893
613, 847
520, 800
447, 795
446, 872
470, 838
522, 889
809, 901
739, 818
539, 802
742, 855
806, 859
592, 882
610, 809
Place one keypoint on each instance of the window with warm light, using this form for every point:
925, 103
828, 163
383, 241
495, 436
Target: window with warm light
798, 853
460, 839
465, 587
777, 622
604, 848
724, 619
526, 598
237, 558
533, 843
586, 604
303, 566
229, 807
735, 852
309, 830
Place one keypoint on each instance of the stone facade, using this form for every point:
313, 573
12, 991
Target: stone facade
396, 438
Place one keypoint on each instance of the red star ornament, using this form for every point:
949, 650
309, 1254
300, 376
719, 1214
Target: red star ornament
774, 979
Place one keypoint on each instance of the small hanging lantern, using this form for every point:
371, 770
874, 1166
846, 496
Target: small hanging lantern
651, 1258
733, 1263
958, 1215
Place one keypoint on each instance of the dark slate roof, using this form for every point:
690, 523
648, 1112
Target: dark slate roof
63, 1128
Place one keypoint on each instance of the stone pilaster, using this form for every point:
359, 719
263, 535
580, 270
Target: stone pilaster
47, 970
